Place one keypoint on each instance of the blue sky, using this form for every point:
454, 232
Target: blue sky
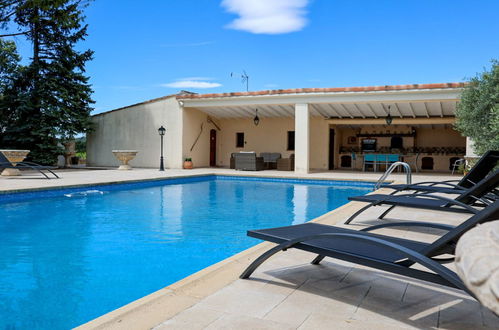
150, 48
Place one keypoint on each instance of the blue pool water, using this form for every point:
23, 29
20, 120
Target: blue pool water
67, 257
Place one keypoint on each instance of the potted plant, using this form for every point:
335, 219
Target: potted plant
470, 162
188, 164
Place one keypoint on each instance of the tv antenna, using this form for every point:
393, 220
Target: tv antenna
244, 78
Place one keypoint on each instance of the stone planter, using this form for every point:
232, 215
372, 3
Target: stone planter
124, 156
14, 156
69, 151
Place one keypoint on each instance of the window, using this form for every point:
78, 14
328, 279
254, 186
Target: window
239, 140
397, 142
427, 163
291, 140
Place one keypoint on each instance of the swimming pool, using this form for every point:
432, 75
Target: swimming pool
68, 256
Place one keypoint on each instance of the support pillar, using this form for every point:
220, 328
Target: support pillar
302, 138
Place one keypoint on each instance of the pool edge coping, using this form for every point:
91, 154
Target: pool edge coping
155, 179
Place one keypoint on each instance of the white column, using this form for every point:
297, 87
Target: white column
302, 138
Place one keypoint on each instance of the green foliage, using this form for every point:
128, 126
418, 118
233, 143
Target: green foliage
9, 59
81, 144
48, 100
478, 111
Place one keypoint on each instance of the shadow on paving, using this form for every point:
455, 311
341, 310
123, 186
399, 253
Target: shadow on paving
369, 295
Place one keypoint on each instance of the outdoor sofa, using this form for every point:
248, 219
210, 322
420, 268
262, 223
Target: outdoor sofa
248, 161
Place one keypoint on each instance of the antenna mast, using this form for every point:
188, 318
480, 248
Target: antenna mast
244, 78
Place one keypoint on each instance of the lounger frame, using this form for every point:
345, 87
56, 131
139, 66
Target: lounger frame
30, 165
426, 256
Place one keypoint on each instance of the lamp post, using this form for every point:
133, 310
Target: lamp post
161, 132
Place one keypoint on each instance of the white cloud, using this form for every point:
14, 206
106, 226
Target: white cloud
267, 16
271, 85
192, 82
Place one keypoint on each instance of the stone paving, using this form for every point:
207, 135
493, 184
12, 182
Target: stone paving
287, 292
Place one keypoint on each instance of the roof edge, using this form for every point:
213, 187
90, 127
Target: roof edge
136, 104
328, 90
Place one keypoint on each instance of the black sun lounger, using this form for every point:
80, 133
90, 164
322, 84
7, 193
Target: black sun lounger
482, 193
391, 254
482, 168
4, 163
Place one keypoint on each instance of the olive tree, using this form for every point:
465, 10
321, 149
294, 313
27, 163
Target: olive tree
478, 111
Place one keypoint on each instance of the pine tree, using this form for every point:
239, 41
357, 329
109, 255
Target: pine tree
51, 96
9, 70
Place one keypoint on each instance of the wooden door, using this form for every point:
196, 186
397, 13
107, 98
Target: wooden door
213, 147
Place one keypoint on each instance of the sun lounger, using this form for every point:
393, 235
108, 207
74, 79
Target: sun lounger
387, 253
4, 163
481, 169
482, 193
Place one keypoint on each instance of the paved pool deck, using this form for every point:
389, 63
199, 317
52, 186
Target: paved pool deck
287, 292
78, 177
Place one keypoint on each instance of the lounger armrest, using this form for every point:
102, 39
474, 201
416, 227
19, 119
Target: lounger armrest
428, 196
410, 224
429, 183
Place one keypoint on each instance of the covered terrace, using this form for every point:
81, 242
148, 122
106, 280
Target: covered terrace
332, 127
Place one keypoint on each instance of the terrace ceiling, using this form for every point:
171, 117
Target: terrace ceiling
339, 110
416, 103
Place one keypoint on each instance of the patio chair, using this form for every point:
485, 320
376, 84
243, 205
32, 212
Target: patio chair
248, 161
286, 164
386, 253
232, 161
482, 168
369, 159
5, 163
270, 159
481, 194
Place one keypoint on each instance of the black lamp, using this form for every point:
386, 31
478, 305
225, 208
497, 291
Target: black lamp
161, 132
256, 120
389, 118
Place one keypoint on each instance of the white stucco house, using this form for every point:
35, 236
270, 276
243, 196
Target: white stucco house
325, 128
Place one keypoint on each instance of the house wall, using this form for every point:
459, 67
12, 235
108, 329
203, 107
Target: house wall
193, 119
439, 137
136, 128
271, 136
